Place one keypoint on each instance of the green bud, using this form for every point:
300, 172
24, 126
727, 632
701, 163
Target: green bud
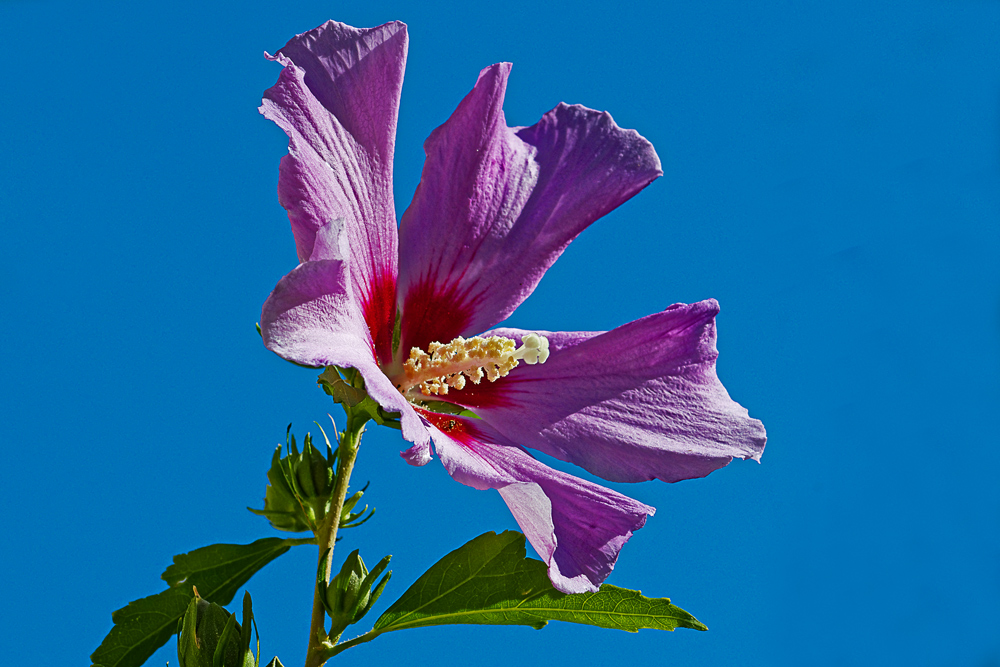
209, 636
297, 498
350, 595
346, 586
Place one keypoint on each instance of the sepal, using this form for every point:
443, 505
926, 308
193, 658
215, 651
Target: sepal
349, 519
347, 387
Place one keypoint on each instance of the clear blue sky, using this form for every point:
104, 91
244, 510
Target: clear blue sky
832, 178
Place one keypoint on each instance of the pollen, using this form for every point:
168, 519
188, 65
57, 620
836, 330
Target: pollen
462, 360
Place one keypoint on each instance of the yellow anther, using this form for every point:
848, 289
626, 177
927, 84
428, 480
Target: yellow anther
452, 364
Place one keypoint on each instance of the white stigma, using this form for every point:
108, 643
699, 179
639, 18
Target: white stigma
534, 349
453, 364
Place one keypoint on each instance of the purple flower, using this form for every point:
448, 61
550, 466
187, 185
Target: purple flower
494, 209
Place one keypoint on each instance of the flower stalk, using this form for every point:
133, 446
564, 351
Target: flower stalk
326, 534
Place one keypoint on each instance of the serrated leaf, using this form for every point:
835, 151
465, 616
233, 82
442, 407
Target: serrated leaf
218, 571
141, 627
489, 581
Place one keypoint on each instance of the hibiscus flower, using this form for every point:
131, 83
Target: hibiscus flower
494, 209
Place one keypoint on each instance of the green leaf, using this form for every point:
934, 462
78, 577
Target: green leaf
218, 571
489, 581
140, 628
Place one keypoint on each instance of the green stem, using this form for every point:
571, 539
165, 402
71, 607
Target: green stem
343, 646
326, 536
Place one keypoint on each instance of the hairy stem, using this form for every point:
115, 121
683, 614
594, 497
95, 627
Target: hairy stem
343, 646
326, 536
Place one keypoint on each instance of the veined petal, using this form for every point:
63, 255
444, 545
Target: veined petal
576, 527
497, 205
640, 402
312, 318
477, 177
337, 99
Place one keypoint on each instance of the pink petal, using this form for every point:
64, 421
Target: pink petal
312, 318
496, 206
576, 527
640, 402
337, 99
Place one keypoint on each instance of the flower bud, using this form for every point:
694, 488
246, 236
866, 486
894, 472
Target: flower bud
209, 636
350, 595
300, 485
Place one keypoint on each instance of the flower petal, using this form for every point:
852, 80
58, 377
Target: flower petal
578, 528
311, 318
640, 402
497, 205
337, 99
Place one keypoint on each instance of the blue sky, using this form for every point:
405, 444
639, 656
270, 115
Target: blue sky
832, 177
